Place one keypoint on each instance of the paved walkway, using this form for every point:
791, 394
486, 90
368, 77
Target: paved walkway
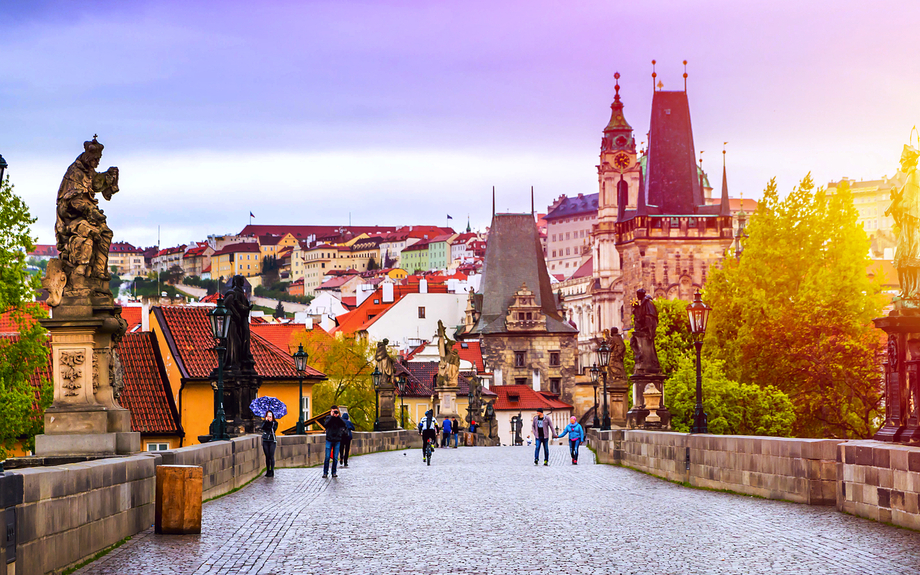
491, 511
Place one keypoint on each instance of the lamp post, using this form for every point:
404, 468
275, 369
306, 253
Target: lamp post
300, 362
595, 374
378, 380
401, 383
699, 317
220, 325
603, 357
3, 167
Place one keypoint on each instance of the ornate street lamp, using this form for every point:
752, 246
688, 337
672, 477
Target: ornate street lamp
3, 167
595, 374
378, 381
401, 383
699, 317
220, 326
603, 357
300, 362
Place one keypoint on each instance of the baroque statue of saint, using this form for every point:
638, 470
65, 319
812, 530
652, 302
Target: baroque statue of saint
905, 209
449, 364
83, 238
384, 362
616, 371
645, 324
239, 354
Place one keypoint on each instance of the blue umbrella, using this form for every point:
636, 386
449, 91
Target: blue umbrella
262, 405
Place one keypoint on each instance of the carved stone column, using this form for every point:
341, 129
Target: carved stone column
387, 406
85, 418
902, 388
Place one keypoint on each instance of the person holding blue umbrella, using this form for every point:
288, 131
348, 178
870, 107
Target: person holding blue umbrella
269, 443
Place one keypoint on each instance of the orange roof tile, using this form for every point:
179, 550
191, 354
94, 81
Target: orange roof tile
188, 335
133, 314
147, 392
527, 398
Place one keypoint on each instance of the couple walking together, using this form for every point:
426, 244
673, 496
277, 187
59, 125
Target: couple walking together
338, 441
543, 431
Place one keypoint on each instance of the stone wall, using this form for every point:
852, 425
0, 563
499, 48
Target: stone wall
498, 351
79, 509
800, 470
880, 481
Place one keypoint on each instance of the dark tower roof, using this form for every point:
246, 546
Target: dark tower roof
514, 257
724, 206
672, 182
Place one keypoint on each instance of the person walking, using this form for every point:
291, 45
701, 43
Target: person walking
445, 432
335, 431
455, 431
576, 435
346, 440
543, 431
269, 442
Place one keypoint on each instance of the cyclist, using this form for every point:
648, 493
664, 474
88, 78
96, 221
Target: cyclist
428, 428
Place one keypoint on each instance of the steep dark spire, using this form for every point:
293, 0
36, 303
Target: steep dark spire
672, 179
725, 208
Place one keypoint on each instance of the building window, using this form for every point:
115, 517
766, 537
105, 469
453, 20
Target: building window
567, 235
554, 253
568, 251
555, 385
305, 408
554, 358
157, 446
519, 358
421, 312
520, 381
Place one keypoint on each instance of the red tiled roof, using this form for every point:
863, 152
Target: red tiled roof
123, 248
42, 373
47, 250
350, 301
585, 270
471, 353
280, 334
304, 231
197, 250
237, 248
133, 314
147, 392
9, 325
210, 298
188, 334
269, 240
170, 251
527, 398
420, 379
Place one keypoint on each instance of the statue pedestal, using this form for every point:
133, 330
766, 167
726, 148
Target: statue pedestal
85, 418
902, 376
387, 408
635, 418
618, 404
447, 399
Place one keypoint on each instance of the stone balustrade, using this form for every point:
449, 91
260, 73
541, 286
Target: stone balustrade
68, 513
871, 479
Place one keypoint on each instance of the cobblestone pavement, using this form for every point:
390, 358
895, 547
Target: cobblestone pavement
491, 511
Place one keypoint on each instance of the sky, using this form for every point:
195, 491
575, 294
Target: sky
402, 112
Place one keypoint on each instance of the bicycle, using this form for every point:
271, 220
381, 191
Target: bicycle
429, 449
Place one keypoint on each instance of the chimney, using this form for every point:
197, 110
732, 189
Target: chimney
145, 315
388, 292
423, 286
536, 380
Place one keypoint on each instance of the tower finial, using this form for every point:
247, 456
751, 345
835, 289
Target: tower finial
685, 76
493, 200
654, 75
533, 211
616, 97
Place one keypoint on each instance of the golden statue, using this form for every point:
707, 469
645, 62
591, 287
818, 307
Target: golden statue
905, 209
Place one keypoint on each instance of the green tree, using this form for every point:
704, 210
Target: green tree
348, 364
795, 312
279, 312
731, 407
21, 404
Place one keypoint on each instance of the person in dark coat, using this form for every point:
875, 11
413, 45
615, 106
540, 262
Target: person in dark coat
335, 431
346, 441
269, 427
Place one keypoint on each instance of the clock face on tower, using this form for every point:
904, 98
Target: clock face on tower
621, 141
621, 161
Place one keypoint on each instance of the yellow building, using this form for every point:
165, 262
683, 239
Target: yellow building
272, 245
126, 259
185, 343
243, 259
397, 274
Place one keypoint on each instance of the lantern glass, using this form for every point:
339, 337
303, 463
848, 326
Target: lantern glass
378, 378
300, 359
698, 313
603, 354
219, 317
595, 373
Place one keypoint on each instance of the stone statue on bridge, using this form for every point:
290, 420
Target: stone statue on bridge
83, 238
449, 364
645, 324
905, 209
239, 353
